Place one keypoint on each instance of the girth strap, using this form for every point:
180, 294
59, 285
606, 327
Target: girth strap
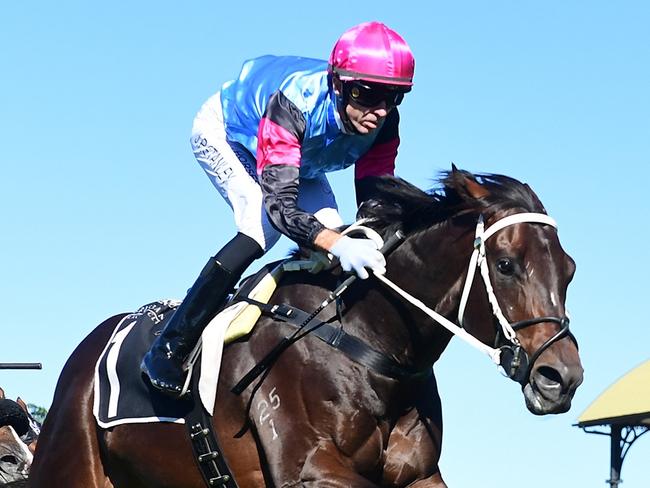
335, 336
209, 458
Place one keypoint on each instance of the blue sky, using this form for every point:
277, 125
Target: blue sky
103, 208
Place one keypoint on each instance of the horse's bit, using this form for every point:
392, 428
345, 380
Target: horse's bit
511, 357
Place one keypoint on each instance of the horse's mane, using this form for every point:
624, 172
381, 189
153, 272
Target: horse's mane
399, 204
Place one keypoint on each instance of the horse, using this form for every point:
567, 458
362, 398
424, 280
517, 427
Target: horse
17, 415
323, 418
15, 458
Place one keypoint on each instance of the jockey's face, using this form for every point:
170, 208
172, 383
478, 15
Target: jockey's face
363, 117
366, 119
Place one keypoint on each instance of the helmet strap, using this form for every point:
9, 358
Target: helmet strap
341, 101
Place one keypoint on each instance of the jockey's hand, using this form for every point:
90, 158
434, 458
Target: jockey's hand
357, 255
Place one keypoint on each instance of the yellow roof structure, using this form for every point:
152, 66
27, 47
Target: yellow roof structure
625, 402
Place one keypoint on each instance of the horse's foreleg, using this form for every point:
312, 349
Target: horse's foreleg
434, 481
413, 453
415, 443
325, 469
335, 483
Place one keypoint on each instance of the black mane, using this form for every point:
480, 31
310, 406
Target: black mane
399, 204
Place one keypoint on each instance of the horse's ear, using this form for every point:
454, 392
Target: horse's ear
2, 394
465, 183
22, 404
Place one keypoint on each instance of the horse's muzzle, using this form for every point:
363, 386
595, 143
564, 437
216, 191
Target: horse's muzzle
551, 387
548, 386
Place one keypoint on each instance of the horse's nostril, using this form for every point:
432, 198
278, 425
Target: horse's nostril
548, 377
9, 459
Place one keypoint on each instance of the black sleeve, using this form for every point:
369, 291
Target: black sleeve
279, 184
283, 112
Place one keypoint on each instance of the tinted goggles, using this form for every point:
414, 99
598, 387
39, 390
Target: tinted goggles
370, 95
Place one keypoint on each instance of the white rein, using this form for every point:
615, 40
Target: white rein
477, 260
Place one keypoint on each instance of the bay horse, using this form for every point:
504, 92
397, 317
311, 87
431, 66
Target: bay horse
15, 458
322, 419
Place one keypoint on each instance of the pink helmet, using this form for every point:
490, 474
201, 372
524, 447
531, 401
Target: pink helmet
373, 52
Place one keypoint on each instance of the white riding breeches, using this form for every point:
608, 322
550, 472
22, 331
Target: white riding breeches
232, 169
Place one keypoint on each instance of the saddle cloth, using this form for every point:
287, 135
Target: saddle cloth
123, 396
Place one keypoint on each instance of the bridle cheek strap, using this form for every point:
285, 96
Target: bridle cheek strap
479, 260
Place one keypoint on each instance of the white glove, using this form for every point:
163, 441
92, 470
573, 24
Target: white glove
359, 254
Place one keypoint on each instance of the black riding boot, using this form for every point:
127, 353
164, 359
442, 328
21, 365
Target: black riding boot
163, 364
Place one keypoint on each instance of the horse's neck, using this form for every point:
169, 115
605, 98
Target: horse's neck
431, 268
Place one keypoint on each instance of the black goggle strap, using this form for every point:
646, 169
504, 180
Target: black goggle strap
341, 101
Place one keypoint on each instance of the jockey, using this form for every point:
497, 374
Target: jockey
266, 141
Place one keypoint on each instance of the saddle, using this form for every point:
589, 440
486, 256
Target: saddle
122, 396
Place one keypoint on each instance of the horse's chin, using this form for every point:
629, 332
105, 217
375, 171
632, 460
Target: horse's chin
539, 405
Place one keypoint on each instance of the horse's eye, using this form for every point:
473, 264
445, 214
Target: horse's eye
506, 266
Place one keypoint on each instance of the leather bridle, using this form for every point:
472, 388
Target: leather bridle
514, 360
507, 351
